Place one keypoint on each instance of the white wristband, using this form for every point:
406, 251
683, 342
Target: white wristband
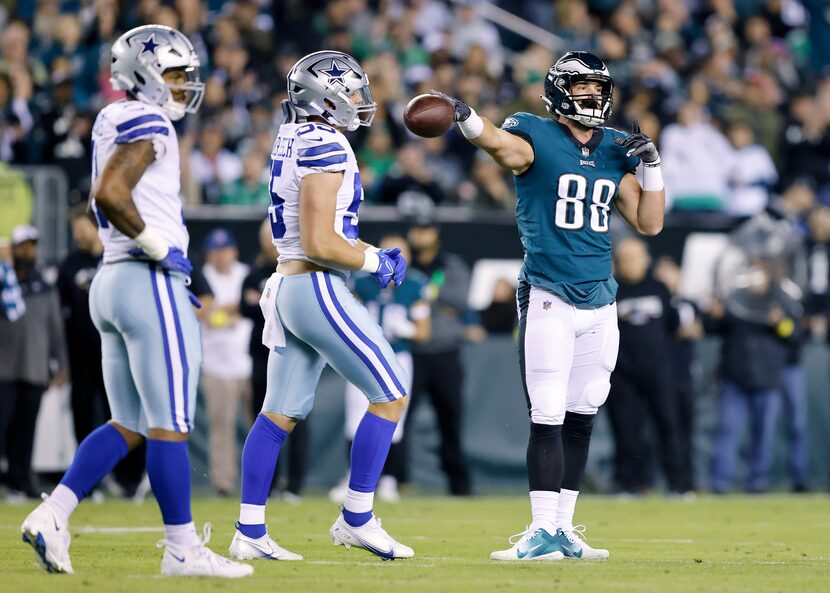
371, 261
652, 177
152, 244
473, 126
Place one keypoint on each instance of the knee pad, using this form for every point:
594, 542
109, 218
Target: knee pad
593, 396
547, 402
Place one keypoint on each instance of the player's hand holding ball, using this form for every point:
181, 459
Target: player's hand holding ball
433, 114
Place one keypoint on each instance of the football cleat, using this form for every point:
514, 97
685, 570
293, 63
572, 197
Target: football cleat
531, 544
263, 548
575, 547
49, 537
370, 536
198, 560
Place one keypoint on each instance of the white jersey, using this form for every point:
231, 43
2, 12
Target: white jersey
300, 150
156, 195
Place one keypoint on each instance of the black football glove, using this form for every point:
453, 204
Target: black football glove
462, 110
639, 144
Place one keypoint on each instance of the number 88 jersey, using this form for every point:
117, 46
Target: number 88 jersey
563, 208
303, 149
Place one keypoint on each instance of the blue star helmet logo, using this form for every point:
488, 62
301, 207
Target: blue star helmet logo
336, 72
150, 44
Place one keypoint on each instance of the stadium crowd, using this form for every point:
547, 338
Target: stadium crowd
738, 93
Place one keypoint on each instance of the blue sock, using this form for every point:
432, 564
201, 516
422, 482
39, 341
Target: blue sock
369, 450
99, 452
168, 467
259, 461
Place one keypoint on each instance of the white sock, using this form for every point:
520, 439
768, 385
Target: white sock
565, 512
252, 514
62, 501
181, 535
359, 502
543, 505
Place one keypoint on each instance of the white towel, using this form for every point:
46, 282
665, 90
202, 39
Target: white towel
273, 334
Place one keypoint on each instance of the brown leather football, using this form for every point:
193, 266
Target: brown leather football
428, 116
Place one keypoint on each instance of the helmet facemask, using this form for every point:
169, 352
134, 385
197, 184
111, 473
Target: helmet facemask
591, 109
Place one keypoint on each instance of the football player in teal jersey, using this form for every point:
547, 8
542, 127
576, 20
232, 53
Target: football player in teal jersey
569, 170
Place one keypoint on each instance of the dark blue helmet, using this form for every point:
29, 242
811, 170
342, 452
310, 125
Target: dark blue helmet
573, 67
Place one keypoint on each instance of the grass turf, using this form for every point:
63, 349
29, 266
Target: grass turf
733, 544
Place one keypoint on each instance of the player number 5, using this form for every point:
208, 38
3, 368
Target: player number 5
570, 208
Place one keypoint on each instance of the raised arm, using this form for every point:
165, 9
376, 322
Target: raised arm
642, 202
508, 150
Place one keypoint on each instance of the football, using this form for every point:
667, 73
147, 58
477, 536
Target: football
428, 116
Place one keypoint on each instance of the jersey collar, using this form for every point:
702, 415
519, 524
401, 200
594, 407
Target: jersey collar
591, 145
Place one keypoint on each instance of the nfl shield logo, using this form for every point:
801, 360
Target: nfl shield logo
585, 151
546, 305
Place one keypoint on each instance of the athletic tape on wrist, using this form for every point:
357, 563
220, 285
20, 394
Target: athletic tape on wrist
371, 262
152, 244
652, 176
473, 126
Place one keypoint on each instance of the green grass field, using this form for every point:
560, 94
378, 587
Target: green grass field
759, 544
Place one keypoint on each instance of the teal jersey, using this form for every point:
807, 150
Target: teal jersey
563, 207
385, 304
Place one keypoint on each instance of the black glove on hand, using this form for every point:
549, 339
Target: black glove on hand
462, 110
639, 144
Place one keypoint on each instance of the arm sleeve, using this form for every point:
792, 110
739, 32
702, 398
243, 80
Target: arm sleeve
321, 151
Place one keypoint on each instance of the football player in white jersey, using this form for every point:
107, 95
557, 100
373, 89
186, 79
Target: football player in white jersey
151, 349
311, 318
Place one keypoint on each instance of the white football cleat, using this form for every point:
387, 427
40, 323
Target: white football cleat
370, 536
198, 560
575, 547
263, 548
530, 544
49, 537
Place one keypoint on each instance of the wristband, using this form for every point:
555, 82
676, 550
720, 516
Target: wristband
473, 126
152, 244
652, 177
371, 262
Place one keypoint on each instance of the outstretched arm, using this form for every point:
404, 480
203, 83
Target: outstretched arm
508, 150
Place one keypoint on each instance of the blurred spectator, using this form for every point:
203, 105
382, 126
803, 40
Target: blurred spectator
490, 187
689, 332
404, 316
252, 287
16, 119
29, 347
212, 165
226, 364
16, 202
806, 141
753, 173
641, 391
410, 179
756, 320
252, 188
697, 161
500, 316
437, 362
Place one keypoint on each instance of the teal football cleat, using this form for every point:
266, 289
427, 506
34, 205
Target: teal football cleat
574, 546
536, 544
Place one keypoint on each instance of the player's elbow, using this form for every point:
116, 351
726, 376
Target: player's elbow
316, 246
111, 193
652, 229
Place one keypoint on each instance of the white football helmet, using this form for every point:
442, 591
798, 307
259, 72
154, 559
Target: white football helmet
331, 85
140, 57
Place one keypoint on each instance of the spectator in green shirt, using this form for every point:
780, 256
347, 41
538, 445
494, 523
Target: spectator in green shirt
252, 188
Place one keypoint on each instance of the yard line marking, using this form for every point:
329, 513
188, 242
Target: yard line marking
119, 530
